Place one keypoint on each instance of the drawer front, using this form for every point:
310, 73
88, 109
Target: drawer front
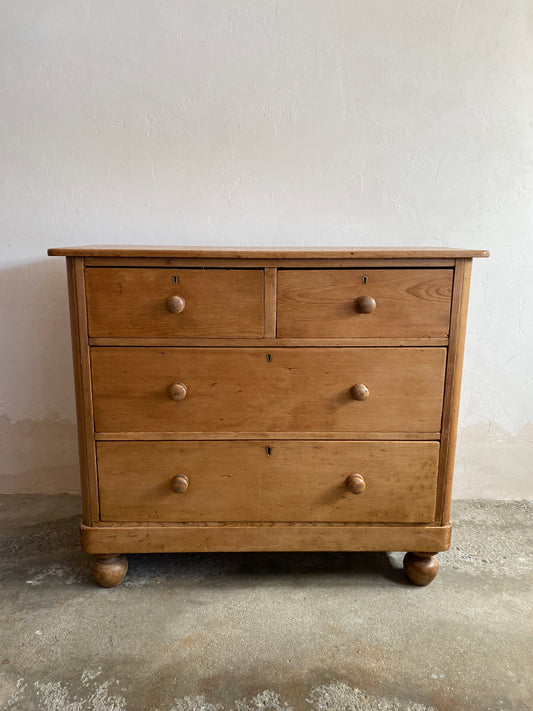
274, 390
215, 303
349, 303
239, 481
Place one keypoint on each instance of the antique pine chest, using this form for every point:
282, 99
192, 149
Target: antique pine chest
264, 400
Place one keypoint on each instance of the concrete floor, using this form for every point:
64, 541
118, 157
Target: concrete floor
246, 632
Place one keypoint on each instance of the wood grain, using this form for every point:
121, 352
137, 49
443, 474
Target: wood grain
284, 262
309, 434
133, 302
265, 342
237, 253
83, 389
452, 394
240, 481
281, 537
323, 303
244, 389
264, 449
271, 289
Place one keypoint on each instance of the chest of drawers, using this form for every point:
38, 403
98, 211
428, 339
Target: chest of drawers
244, 400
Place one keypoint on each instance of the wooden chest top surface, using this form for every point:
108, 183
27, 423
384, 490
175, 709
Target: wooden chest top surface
250, 253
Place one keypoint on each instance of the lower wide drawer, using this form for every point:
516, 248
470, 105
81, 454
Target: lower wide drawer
268, 481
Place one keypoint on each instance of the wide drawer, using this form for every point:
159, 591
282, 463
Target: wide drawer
260, 390
213, 303
267, 481
348, 303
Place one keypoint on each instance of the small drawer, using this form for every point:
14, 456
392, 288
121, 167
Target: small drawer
146, 302
351, 303
268, 481
356, 390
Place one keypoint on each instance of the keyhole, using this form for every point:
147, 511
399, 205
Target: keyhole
365, 280
268, 450
175, 279
269, 357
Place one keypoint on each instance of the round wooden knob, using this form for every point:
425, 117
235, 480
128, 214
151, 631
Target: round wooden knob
365, 304
355, 483
180, 483
175, 304
177, 391
360, 392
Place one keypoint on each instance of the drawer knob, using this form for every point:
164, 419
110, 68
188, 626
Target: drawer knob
180, 483
360, 392
175, 304
355, 483
177, 391
365, 304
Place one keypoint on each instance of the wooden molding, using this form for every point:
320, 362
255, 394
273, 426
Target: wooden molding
145, 538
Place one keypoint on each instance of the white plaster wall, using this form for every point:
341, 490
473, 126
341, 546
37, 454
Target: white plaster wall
266, 123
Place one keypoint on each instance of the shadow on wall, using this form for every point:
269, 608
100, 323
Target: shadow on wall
37, 421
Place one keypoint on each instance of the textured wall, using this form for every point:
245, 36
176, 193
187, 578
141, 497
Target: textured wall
299, 122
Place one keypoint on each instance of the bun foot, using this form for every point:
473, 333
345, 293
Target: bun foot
421, 568
109, 570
